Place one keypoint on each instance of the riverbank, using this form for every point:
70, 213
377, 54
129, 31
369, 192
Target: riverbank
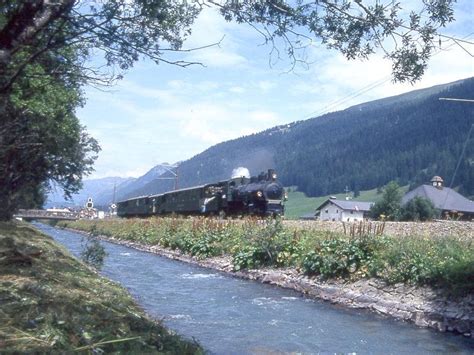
51, 302
423, 305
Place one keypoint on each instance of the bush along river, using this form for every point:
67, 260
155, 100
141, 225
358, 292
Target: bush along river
230, 315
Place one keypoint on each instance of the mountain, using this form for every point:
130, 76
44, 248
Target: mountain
91, 188
133, 188
102, 190
408, 138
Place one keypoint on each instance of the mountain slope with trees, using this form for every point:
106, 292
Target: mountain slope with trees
407, 138
364, 147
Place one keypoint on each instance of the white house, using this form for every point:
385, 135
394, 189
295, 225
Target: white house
342, 210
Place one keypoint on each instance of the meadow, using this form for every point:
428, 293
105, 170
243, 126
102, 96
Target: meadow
299, 204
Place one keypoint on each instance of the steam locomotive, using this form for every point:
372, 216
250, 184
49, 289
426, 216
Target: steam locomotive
260, 195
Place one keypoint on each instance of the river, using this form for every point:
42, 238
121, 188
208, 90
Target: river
228, 315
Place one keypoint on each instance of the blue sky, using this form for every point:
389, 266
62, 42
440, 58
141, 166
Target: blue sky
163, 113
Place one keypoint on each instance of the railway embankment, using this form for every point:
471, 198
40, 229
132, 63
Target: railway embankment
438, 228
52, 302
426, 279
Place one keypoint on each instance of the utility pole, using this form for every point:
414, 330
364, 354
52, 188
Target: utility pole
115, 191
174, 173
346, 190
467, 139
465, 143
176, 178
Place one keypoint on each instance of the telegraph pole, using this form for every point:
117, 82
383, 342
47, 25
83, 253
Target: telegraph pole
174, 173
176, 178
467, 139
465, 143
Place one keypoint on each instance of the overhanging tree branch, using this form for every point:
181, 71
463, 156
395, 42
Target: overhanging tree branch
31, 18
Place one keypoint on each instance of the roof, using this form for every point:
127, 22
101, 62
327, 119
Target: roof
443, 199
349, 205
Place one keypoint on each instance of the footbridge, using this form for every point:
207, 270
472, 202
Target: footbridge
59, 215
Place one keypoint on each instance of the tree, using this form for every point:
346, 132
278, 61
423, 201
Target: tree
418, 209
389, 205
41, 139
356, 190
121, 30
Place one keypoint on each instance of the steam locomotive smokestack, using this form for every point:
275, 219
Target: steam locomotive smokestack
239, 172
271, 175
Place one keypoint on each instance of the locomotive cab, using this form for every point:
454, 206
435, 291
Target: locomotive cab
262, 195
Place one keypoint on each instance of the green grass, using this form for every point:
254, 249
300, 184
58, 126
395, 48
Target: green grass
299, 204
52, 302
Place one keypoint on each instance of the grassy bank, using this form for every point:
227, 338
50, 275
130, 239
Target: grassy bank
51, 302
443, 262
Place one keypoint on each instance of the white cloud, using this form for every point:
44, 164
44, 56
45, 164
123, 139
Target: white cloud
212, 31
217, 57
237, 89
265, 85
266, 117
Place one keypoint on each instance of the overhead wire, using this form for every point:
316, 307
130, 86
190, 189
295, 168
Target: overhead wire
337, 103
351, 96
458, 165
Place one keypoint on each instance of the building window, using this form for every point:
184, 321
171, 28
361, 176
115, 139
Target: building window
327, 211
352, 212
337, 211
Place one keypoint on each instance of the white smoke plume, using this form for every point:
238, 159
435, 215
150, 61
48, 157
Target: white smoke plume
239, 172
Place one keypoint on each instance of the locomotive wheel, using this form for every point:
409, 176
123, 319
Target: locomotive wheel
222, 214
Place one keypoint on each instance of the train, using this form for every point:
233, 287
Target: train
260, 195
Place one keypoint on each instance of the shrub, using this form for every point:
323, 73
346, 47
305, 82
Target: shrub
389, 205
94, 253
418, 209
265, 245
342, 257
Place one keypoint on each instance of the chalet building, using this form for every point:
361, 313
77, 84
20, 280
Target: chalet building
342, 210
444, 199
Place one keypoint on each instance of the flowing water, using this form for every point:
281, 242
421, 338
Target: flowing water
228, 315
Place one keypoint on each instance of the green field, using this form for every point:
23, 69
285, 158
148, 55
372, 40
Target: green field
299, 204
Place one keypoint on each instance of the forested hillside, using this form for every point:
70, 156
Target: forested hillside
368, 145
408, 138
